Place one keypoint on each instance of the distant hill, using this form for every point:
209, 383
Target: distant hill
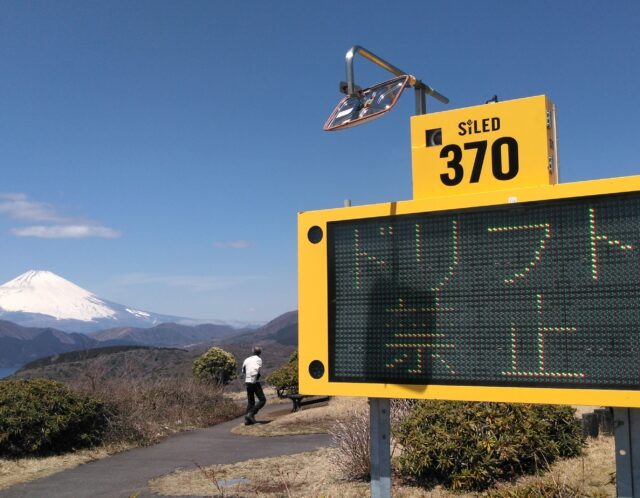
165, 334
82, 355
19, 345
282, 330
137, 362
278, 338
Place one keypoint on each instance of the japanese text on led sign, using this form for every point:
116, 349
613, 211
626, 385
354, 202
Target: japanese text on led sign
545, 295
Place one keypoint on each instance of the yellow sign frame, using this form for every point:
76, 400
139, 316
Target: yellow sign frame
473, 149
313, 300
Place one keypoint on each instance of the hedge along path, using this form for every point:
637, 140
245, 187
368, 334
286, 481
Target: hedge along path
128, 473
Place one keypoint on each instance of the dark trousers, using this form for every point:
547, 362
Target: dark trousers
254, 390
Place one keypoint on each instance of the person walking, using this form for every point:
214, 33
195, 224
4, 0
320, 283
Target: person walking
251, 370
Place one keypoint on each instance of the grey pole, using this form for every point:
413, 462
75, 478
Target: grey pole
380, 430
626, 423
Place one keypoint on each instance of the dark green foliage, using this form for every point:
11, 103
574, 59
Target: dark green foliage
285, 378
469, 446
39, 417
216, 366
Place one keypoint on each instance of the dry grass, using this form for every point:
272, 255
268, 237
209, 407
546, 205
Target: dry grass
29, 469
312, 475
146, 410
304, 474
592, 472
314, 419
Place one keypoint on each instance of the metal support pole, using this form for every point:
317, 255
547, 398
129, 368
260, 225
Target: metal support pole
421, 101
380, 432
626, 423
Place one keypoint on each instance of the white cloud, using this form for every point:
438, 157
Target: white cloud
18, 206
232, 244
66, 232
197, 283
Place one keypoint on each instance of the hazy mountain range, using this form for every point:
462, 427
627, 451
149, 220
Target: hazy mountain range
42, 313
278, 338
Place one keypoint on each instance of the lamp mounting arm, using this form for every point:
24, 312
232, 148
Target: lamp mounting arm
413, 81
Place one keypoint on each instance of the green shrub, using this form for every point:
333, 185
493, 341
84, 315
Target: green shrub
216, 365
285, 378
42, 416
469, 446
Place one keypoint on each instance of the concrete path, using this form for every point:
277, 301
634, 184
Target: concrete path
124, 474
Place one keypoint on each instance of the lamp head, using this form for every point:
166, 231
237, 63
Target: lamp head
366, 104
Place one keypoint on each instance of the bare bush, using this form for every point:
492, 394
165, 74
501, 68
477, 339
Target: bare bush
400, 409
351, 440
143, 411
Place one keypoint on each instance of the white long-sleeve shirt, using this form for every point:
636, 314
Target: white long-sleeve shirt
251, 368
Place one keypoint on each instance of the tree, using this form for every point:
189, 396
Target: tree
285, 378
216, 366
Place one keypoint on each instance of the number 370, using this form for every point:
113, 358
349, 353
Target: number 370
453, 153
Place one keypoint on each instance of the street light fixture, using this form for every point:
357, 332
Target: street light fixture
360, 106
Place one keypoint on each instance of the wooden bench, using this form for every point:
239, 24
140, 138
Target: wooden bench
299, 401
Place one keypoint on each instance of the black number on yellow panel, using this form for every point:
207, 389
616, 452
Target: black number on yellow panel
481, 149
453, 154
453, 163
512, 154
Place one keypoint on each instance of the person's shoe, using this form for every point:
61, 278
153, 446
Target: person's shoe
252, 418
248, 420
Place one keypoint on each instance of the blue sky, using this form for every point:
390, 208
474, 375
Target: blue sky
156, 153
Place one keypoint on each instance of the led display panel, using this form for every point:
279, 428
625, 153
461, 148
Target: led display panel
541, 294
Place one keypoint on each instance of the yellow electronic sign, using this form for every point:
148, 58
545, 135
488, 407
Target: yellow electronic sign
516, 295
495, 146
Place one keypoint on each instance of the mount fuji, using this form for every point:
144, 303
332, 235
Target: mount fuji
44, 299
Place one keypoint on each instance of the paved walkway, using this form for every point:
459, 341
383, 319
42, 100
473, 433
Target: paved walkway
121, 475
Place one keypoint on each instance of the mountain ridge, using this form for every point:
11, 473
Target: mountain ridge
20, 345
276, 338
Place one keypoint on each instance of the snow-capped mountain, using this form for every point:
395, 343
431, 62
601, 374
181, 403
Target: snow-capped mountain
44, 299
